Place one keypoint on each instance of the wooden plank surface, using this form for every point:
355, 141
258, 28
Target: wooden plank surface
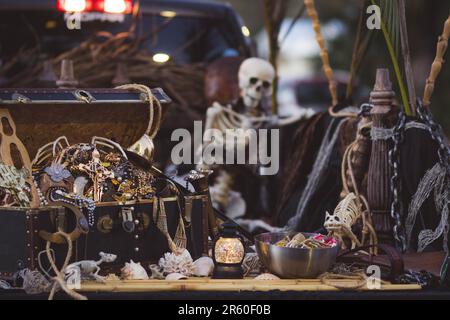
206, 284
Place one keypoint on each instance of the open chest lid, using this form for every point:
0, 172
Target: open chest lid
43, 115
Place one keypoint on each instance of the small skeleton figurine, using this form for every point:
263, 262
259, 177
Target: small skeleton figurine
347, 213
87, 269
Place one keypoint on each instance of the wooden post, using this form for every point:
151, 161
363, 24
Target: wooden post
379, 175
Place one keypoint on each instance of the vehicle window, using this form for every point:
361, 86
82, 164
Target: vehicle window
185, 39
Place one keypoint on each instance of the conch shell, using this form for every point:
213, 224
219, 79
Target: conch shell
133, 271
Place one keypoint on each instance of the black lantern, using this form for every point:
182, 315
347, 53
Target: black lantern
228, 253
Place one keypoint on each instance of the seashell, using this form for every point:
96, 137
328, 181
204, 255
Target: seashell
203, 267
175, 276
133, 271
180, 262
267, 276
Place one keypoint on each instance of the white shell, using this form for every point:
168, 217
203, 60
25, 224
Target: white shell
175, 276
267, 276
177, 262
133, 271
203, 267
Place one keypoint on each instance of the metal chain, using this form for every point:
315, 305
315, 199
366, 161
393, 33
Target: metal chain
394, 162
423, 278
435, 131
364, 109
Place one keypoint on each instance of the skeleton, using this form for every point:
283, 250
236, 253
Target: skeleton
345, 215
13, 182
87, 269
343, 218
255, 82
47, 152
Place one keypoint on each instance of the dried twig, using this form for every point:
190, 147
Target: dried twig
310, 8
437, 63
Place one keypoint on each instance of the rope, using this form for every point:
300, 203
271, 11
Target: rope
377, 133
161, 223
329, 279
154, 123
59, 279
347, 164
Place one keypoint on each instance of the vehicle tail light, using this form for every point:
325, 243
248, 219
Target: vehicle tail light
116, 6
106, 6
74, 5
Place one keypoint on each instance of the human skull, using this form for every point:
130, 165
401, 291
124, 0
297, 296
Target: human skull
255, 81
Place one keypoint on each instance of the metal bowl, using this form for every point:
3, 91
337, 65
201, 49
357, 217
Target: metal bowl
293, 262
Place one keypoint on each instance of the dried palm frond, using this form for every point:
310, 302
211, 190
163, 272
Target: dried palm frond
406, 58
293, 22
362, 41
391, 19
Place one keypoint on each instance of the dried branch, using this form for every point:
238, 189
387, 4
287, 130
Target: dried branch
437, 63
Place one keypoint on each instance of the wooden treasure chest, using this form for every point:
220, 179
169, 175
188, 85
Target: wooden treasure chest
33, 124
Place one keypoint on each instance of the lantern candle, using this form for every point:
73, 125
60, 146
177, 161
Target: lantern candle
228, 253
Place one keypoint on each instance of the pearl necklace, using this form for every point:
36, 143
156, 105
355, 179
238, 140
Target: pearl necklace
81, 202
41, 197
